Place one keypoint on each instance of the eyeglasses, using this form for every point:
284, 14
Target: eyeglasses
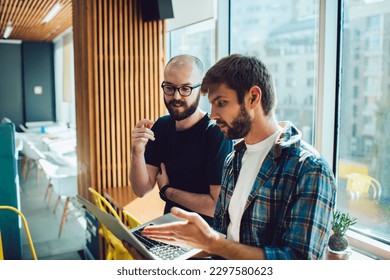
183, 90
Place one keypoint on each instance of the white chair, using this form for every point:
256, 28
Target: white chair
63, 181
31, 156
64, 146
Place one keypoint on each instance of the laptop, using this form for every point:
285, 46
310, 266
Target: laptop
150, 249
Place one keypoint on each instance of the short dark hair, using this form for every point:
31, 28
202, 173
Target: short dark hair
240, 73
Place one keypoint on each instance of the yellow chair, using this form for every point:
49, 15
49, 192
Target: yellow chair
131, 221
34, 255
361, 184
348, 167
115, 248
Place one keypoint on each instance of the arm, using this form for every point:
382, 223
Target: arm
217, 148
201, 203
196, 233
142, 175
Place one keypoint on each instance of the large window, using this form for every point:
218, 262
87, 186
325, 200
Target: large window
364, 139
64, 80
283, 34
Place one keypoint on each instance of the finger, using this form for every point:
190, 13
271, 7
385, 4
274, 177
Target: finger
144, 123
143, 129
183, 214
170, 241
162, 235
140, 130
159, 235
163, 170
176, 241
143, 135
167, 228
191, 217
139, 141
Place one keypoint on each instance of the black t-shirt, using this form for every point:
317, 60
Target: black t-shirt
193, 158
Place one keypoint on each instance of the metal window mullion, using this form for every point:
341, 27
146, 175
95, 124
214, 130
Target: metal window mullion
222, 30
325, 113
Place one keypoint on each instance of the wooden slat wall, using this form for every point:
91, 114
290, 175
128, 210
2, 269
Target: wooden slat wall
118, 68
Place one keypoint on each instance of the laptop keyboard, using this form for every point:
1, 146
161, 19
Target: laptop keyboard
161, 250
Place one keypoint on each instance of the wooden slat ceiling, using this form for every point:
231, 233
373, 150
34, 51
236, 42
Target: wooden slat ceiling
27, 19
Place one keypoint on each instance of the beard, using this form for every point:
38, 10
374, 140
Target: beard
188, 110
240, 126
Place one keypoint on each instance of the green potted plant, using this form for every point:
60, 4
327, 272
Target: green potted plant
338, 245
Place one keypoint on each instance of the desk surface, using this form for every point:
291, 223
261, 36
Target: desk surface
144, 209
147, 208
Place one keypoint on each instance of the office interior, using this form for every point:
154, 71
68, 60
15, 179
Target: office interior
73, 86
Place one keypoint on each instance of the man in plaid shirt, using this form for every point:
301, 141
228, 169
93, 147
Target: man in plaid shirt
277, 194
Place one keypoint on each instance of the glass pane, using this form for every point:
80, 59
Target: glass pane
283, 34
364, 143
198, 40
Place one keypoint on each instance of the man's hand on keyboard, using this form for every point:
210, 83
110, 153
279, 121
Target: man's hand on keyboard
133, 252
192, 232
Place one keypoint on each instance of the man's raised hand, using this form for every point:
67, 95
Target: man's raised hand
141, 134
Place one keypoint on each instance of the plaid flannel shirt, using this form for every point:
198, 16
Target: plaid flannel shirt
288, 211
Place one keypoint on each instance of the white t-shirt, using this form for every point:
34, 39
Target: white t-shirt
251, 163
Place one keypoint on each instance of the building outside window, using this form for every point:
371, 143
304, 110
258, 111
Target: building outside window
366, 196
285, 40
